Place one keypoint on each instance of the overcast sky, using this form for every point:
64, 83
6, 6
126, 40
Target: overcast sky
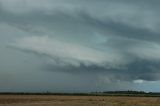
79, 45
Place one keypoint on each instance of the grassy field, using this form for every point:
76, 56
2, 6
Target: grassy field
53, 100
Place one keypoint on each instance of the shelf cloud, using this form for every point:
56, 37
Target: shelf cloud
107, 41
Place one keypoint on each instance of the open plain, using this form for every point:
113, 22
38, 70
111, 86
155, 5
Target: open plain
55, 100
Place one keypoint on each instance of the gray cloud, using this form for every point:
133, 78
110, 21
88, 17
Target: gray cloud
106, 41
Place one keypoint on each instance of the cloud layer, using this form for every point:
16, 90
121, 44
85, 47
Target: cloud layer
109, 39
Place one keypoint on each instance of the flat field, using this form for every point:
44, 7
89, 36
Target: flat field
53, 100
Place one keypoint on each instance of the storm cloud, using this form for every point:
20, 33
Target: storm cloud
114, 44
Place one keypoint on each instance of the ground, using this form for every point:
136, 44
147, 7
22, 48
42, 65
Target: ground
52, 100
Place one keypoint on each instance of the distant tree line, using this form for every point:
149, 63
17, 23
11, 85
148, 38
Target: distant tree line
128, 93
106, 93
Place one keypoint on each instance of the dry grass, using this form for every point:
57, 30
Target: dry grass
43, 100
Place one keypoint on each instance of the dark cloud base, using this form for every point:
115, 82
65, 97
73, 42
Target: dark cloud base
106, 41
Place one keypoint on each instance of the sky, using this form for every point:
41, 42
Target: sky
79, 45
